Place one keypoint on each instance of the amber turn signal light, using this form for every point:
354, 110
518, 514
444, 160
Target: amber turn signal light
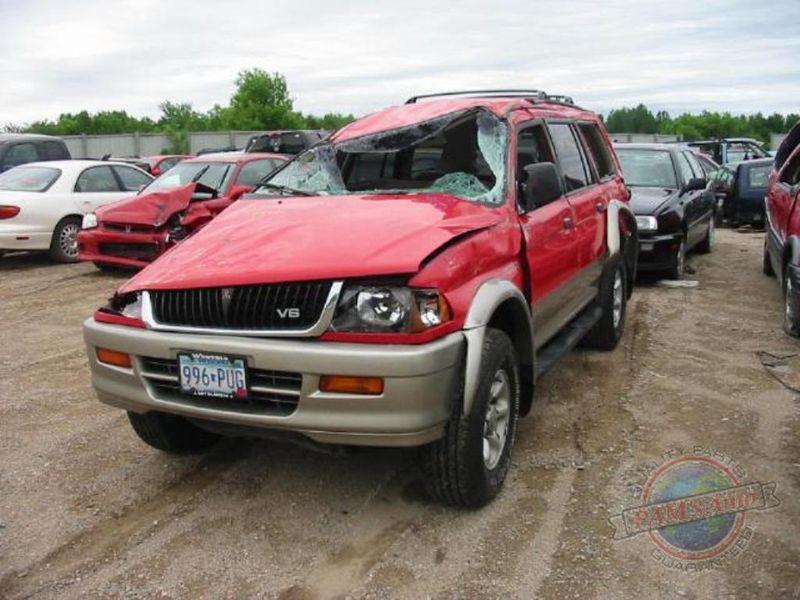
113, 357
343, 384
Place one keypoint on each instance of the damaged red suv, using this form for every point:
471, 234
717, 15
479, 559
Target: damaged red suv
133, 232
405, 282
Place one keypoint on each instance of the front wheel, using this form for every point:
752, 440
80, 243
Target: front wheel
170, 433
766, 262
64, 243
676, 272
707, 245
791, 310
468, 465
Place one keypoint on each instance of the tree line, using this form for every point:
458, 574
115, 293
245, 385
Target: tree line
261, 102
641, 119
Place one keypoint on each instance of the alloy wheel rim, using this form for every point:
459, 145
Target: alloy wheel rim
712, 231
68, 240
788, 313
495, 424
681, 258
617, 297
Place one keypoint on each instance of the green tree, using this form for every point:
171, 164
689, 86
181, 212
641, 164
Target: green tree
261, 102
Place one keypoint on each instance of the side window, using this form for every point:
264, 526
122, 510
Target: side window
569, 156
20, 154
791, 170
695, 165
598, 148
55, 151
709, 168
255, 171
97, 179
168, 163
532, 147
131, 179
370, 167
684, 169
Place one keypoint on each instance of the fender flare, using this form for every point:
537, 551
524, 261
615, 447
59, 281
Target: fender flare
489, 297
617, 211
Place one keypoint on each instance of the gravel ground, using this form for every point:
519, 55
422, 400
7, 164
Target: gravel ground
86, 510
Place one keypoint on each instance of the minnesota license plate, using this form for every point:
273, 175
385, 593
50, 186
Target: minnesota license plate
215, 375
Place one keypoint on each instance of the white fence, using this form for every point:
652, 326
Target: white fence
147, 144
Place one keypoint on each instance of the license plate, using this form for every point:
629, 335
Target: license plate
213, 375
646, 247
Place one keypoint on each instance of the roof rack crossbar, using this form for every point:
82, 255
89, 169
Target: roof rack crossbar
538, 94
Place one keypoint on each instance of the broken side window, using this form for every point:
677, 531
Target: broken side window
463, 154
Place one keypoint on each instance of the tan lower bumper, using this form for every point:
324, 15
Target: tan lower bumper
418, 383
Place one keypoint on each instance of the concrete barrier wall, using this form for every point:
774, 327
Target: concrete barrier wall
148, 144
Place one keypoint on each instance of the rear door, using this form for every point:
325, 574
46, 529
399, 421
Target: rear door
587, 199
550, 241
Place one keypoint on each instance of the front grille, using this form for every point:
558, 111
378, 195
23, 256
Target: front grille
134, 251
268, 392
128, 228
283, 306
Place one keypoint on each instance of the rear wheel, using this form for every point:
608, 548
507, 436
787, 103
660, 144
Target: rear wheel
468, 465
171, 433
791, 311
766, 262
606, 333
64, 243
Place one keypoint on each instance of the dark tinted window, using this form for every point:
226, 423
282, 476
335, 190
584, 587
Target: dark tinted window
791, 171
97, 179
598, 149
20, 154
569, 156
256, 170
29, 179
56, 150
284, 143
132, 179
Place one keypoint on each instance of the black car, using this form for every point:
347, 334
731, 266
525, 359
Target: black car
742, 187
285, 142
22, 148
673, 205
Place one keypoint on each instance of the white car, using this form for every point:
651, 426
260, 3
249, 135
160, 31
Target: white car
42, 203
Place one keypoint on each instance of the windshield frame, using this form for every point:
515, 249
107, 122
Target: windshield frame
501, 185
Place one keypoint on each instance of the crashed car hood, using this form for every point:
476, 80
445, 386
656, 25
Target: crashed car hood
315, 238
647, 200
148, 209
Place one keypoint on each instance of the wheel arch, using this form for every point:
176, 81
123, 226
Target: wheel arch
499, 304
622, 237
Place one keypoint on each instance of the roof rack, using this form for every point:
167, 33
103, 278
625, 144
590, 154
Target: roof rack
531, 95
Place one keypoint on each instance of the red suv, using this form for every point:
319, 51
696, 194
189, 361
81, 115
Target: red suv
133, 232
782, 240
402, 283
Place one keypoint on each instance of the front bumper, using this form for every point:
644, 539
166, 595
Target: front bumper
658, 252
419, 382
122, 249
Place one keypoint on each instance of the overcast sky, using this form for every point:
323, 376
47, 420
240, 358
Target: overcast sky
357, 56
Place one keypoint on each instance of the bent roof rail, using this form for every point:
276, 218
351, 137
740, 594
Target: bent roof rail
533, 96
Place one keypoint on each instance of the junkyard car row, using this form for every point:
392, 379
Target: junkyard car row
403, 281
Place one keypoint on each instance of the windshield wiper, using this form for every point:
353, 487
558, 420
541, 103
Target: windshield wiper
285, 188
199, 174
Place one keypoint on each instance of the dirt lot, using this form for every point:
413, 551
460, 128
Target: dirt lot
88, 510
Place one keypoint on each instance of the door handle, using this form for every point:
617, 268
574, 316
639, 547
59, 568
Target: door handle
600, 207
568, 223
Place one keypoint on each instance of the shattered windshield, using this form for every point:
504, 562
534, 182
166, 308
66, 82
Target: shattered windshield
461, 153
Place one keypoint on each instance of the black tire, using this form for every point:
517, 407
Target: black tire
676, 271
171, 433
106, 268
766, 262
63, 244
791, 312
613, 296
455, 469
707, 245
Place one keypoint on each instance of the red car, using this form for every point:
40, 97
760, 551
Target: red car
133, 232
404, 282
782, 239
163, 162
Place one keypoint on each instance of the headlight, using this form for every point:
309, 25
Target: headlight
129, 305
89, 221
647, 223
389, 309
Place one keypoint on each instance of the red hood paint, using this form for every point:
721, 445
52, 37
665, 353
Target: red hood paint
148, 209
314, 238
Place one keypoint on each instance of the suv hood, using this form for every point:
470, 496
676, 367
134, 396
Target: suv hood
148, 209
647, 200
315, 238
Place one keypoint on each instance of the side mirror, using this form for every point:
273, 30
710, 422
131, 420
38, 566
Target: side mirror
696, 183
237, 191
542, 185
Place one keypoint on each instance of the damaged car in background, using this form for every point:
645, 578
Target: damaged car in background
405, 283
133, 232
